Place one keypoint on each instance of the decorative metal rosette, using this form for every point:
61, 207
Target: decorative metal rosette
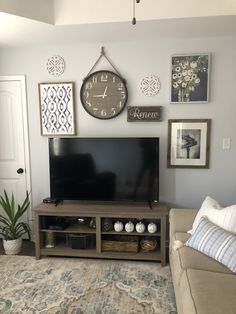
150, 85
56, 65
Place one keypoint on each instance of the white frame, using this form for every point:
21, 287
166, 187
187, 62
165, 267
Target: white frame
70, 109
208, 77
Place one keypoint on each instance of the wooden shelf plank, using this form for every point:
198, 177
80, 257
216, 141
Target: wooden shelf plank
119, 210
156, 234
63, 250
75, 228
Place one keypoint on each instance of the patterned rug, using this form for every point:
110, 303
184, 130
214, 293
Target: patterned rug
84, 286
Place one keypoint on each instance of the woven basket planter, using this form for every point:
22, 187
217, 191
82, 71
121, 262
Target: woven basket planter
12, 247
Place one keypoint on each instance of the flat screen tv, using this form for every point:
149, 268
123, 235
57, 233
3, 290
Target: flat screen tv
104, 169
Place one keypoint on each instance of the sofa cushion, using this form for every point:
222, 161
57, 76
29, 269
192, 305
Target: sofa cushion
186, 257
222, 217
208, 292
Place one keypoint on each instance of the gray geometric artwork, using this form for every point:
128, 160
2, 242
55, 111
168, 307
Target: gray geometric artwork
56, 65
57, 108
150, 85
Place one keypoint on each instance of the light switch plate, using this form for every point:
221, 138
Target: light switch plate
226, 143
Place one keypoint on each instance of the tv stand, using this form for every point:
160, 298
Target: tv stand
104, 241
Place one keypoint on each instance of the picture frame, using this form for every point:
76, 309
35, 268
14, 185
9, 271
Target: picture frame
190, 78
188, 143
57, 115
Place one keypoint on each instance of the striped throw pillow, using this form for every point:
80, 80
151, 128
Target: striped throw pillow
215, 242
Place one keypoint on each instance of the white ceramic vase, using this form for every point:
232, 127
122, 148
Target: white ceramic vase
12, 247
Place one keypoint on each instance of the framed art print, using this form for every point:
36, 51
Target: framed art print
190, 78
57, 108
188, 143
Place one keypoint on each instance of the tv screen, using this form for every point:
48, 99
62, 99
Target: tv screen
104, 169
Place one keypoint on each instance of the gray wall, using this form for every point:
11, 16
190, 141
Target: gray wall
134, 60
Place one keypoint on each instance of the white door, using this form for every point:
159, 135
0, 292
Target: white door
14, 151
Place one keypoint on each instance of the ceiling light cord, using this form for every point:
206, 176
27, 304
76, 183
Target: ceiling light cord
134, 19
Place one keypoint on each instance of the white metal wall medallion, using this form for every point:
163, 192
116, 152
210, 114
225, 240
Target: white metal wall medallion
56, 65
150, 85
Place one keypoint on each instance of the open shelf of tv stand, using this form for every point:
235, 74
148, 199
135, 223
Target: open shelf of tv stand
125, 212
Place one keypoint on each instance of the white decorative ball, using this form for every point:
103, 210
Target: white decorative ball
129, 226
152, 228
118, 226
140, 227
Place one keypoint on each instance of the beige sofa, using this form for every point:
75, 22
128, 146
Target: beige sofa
202, 285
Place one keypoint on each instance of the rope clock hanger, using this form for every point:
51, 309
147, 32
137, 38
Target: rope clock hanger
103, 93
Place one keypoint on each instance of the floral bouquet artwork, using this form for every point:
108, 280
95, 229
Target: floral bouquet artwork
190, 78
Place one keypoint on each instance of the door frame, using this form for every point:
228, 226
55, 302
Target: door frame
22, 80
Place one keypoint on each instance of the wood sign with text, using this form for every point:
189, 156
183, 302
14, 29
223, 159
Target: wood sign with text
144, 113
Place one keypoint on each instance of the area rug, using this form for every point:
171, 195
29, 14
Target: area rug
84, 286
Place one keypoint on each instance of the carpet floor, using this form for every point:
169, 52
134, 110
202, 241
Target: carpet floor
84, 286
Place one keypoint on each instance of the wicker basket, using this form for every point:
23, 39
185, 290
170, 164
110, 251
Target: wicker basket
122, 244
148, 245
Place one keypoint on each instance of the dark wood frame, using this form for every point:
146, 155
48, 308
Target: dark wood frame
144, 113
185, 163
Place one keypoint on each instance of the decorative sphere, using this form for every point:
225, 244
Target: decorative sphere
129, 226
118, 226
107, 224
140, 227
152, 228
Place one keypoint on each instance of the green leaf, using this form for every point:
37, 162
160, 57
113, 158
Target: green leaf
10, 228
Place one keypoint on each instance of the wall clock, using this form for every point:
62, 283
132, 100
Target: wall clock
104, 94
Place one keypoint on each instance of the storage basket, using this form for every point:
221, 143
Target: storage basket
121, 244
148, 244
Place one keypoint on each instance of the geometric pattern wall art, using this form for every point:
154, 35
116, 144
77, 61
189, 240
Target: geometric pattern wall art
150, 85
56, 65
57, 108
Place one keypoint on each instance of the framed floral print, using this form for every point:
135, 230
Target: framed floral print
57, 108
188, 143
190, 78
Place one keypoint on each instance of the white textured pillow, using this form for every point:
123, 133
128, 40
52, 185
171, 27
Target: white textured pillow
222, 217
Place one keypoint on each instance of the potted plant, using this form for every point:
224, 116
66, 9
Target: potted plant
11, 228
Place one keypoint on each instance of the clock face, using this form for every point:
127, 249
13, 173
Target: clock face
104, 94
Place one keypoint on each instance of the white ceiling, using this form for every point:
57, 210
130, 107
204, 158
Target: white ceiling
16, 31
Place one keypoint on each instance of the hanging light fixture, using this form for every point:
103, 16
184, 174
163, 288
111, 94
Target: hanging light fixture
134, 19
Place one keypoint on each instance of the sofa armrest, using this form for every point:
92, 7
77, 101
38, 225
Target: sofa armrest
181, 219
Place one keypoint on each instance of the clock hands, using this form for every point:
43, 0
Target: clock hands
103, 95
